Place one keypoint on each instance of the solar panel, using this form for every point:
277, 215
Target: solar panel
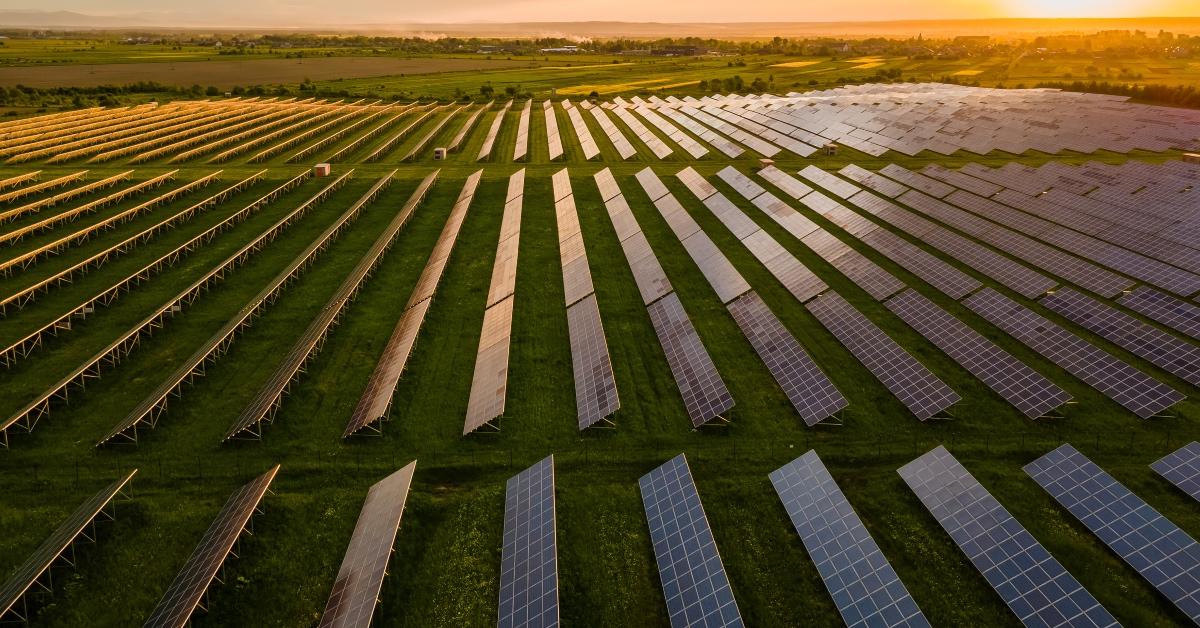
859, 578
529, 559
1036, 587
29, 574
1182, 468
1024, 388
595, 387
716, 268
694, 582
951, 281
705, 395
915, 386
360, 578
1133, 389
187, 591
1179, 315
489, 381
1168, 352
1157, 549
696, 183
807, 387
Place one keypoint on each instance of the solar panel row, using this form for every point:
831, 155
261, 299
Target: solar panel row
489, 384
356, 589
595, 385
1036, 587
1139, 393
529, 556
859, 578
694, 581
1157, 549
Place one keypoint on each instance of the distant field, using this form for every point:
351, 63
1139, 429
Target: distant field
226, 74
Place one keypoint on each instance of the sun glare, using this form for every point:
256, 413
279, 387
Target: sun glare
1096, 8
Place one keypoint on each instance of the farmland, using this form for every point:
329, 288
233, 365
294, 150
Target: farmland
446, 568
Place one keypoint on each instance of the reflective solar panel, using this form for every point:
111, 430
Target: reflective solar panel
529, 559
807, 387
30, 573
859, 578
693, 577
360, 578
595, 387
489, 380
1157, 549
705, 395
1024, 388
1177, 314
915, 386
1036, 587
1139, 393
1170, 353
1182, 468
186, 593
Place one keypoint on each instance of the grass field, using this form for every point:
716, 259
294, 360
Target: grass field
446, 568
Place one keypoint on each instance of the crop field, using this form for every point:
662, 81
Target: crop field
446, 566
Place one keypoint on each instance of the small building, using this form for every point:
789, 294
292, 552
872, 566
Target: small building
766, 163
1191, 158
321, 170
830, 149
439, 154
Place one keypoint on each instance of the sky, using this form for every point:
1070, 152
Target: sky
308, 12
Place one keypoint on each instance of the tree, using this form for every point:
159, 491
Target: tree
212, 91
487, 90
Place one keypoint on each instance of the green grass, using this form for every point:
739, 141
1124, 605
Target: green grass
446, 568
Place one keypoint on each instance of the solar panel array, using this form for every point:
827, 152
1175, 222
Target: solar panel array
489, 384
521, 148
625, 149
1166, 351
859, 578
1034, 585
553, 138
1136, 391
187, 591
1026, 389
529, 559
1177, 314
1157, 549
808, 388
376, 401
913, 117
356, 590
586, 142
694, 582
705, 396
1182, 468
674, 133
13, 592
656, 145
489, 140
911, 382
595, 386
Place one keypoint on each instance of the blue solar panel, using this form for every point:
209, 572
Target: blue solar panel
693, 577
1032, 582
1182, 468
529, 560
1163, 554
860, 580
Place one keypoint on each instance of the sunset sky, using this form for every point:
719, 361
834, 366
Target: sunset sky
407, 11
